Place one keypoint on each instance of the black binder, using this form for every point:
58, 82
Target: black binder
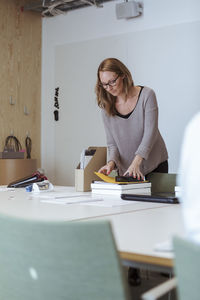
169, 198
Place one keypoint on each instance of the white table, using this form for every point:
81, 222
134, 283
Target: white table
138, 233
137, 227
22, 204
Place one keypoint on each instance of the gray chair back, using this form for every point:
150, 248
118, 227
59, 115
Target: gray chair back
162, 182
59, 260
187, 269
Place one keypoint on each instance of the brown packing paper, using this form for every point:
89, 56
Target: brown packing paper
84, 177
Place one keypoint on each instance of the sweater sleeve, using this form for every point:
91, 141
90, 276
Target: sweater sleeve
113, 153
150, 126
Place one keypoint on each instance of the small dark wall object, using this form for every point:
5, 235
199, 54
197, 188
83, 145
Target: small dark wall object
56, 115
56, 103
28, 144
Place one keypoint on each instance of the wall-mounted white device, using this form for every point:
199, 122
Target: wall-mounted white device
128, 9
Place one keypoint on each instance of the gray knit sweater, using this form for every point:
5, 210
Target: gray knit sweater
139, 134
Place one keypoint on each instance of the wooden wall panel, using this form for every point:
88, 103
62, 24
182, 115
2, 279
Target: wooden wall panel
20, 74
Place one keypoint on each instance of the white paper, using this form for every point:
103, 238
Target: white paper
5, 189
69, 199
165, 246
110, 202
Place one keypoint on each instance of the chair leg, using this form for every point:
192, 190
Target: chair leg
134, 277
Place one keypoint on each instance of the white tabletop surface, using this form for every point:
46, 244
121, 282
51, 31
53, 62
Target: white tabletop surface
138, 226
141, 231
18, 202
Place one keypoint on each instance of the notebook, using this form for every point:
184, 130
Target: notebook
156, 197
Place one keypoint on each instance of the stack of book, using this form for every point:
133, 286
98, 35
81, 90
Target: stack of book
102, 187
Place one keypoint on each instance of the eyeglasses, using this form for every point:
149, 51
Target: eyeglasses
110, 83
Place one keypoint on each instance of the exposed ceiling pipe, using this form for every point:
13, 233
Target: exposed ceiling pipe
53, 9
50, 8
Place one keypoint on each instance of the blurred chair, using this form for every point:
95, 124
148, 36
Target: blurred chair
187, 271
42, 260
162, 182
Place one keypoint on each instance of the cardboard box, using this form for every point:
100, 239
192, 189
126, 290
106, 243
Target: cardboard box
84, 177
14, 169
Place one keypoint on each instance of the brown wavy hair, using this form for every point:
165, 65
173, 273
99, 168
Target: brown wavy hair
104, 99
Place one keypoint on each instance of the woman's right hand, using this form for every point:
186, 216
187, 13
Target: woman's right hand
107, 168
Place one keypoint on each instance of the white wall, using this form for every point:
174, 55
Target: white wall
178, 82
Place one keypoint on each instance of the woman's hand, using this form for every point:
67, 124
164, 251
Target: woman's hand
107, 168
134, 168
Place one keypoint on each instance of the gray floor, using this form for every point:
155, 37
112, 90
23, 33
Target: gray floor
148, 281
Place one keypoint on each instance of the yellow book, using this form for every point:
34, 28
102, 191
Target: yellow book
109, 179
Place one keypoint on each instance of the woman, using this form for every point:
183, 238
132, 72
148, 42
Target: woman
130, 116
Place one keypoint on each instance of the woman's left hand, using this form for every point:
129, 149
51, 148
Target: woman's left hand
134, 168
